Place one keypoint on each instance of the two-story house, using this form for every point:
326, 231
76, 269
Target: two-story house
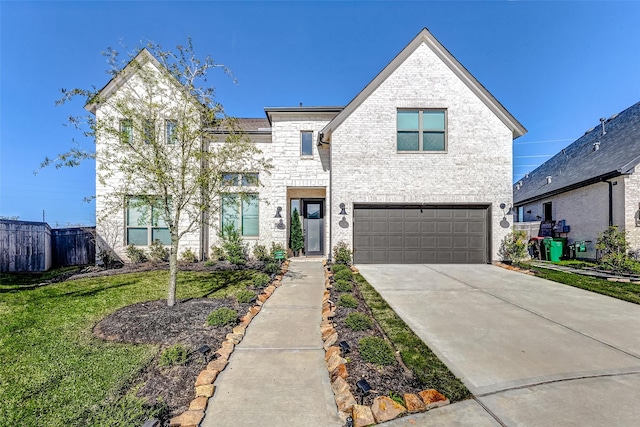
413, 170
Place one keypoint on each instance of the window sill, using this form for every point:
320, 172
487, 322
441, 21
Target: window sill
422, 152
306, 157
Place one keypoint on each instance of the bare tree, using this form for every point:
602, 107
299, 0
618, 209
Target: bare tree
154, 150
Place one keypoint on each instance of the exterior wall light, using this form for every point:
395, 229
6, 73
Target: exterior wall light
342, 209
278, 210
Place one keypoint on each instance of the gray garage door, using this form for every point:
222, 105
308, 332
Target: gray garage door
415, 235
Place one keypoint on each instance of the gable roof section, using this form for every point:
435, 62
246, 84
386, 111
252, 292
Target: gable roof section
580, 164
445, 56
121, 78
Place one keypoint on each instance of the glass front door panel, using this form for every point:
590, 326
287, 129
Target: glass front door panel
313, 227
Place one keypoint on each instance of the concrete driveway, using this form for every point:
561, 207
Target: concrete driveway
533, 352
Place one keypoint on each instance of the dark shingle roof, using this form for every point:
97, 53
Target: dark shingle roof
250, 124
579, 164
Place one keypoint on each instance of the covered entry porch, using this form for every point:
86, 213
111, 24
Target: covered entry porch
309, 203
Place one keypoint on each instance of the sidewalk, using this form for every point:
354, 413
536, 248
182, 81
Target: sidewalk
277, 375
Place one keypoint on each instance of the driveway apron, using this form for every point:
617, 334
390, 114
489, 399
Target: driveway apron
533, 352
277, 375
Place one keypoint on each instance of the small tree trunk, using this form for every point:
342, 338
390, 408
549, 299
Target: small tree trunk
173, 272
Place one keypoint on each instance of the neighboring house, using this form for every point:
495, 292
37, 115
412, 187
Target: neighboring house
412, 170
591, 184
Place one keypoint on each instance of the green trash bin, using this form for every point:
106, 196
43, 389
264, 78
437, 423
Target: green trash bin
565, 245
546, 248
555, 250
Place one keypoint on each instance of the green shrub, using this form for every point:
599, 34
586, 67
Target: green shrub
261, 280
357, 321
376, 350
210, 263
158, 252
245, 296
277, 247
514, 247
341, 253
217, 253
234, 247
296, 240
397, 398
127, 410
343, 275
222, 316
343, 286
339, 267
347, 300
271, 267
135, 254
261, 254
175, 355
189, 256
613, 244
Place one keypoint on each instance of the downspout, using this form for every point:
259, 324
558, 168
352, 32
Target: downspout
610, 202
320, 140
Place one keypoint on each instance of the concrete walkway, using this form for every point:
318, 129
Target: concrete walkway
277, 375
533, 352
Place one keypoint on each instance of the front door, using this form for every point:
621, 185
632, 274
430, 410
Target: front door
313, 223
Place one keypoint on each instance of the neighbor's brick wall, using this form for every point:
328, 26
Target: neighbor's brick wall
632, 209
477, 167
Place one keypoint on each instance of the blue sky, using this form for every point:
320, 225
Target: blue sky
556, 66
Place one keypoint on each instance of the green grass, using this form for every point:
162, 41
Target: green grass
429, 370
624, 291
576, 263
53, 371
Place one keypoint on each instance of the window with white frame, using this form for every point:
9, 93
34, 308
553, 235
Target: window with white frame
422, 130
126, 131
170, 131
242, 212
145, 222
306, 143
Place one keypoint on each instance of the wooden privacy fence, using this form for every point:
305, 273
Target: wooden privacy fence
34, 246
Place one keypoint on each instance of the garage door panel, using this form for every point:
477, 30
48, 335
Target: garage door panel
390, 234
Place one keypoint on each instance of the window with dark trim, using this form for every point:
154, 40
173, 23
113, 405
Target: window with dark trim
126, 131
306, 143
145, 222
149, 131
170, 131
242, 212
421, 130
547, 211
233, 179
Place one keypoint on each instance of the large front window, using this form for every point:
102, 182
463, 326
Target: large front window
145, 223
241, 212
421, 130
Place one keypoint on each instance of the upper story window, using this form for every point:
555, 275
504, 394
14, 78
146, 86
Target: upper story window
145, 223
422, 130
126, 131
241, 179
306, 143
170, 131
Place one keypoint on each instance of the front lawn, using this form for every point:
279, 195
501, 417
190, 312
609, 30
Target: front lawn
54, 372
625, 291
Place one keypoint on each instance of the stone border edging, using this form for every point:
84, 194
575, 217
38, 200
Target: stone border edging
383, 408
204, 384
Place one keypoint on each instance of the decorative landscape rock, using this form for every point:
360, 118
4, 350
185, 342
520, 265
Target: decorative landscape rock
339, 371
218, 364
331, 340
198, 404
362, 416
206, 377
235, 338
189, 418
334, 361
414, 403
205, 390
433, 398
385, 409
331, 351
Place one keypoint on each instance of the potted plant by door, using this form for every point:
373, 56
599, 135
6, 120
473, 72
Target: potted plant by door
296, 240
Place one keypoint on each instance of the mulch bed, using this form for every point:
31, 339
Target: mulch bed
383, 379
153, 322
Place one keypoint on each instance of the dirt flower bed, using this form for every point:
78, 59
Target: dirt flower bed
387, 380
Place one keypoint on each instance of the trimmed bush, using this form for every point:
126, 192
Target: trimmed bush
347, 300
343, 286
343, 275
217, 254
271, 267
235, 250
135, 254
357, 321
222, 316
189, 256
338, 267
157, 251
341, 253
261, 254
175, 355
261, 280
245, 296
376, 350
